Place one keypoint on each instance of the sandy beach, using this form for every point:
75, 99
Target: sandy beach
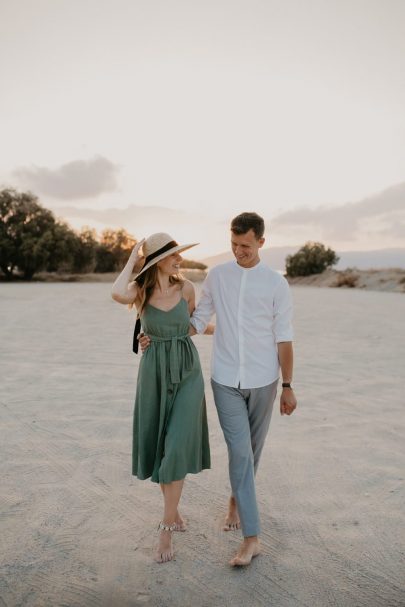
387, 279
383, 279
77, 530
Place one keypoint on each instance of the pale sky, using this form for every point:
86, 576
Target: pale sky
176, 115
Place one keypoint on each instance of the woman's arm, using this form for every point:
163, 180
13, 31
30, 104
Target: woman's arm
123, 290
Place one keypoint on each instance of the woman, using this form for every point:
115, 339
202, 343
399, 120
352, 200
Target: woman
170, 433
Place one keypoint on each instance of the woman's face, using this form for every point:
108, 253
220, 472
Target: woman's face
170, 264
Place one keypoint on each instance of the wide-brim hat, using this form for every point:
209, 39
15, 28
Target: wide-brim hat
158, 246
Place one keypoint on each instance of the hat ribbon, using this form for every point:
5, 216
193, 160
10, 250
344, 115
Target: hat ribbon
167, 247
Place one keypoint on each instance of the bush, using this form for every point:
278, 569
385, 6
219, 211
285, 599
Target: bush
347, 279
312, 258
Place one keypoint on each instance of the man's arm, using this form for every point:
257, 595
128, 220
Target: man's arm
283, 334
288, 402
204, 310
203, 314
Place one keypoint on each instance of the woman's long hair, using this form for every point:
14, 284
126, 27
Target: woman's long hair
147, 282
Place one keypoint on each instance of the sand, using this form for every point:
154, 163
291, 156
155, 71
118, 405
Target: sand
78, 530
383, 279
387, 279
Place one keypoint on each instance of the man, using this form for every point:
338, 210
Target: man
252, 341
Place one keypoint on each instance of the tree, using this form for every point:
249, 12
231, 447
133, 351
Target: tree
84, 257
63, 246
312, 258
113, 250
30, 238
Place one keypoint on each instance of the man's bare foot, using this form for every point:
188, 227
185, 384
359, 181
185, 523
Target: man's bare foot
249, 548
180, 523
232, 520
164, 551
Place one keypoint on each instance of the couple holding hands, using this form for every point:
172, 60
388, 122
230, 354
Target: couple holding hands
252, 342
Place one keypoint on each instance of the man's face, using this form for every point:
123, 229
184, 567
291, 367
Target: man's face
246, 247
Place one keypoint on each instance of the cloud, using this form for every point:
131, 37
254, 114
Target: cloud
382, 213
395, 228
372, 223
73, 180
133, 217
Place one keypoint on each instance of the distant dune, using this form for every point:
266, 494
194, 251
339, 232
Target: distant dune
363, 260
388, 279
273, 256
366, 260
375, 279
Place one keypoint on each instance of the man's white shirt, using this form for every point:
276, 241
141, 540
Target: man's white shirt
253, 310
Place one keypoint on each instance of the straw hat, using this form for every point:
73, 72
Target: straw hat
158, 246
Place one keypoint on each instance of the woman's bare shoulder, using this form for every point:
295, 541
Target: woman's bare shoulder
188, 288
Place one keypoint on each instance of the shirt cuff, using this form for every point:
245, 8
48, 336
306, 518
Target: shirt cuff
198, 325
285, 337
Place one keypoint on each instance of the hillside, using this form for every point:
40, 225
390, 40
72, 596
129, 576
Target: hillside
363, 260
389, 279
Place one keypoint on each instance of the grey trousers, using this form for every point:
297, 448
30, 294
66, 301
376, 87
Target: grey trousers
244, 415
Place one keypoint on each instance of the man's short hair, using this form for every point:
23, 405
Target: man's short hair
241, 224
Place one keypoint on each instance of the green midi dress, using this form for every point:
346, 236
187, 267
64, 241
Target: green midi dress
170, 431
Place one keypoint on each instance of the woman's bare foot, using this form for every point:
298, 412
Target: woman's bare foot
164, 550
180, 523
249, 548
232, 520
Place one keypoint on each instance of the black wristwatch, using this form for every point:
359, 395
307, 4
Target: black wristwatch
286, 384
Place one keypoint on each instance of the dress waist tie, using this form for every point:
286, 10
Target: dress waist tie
173, 354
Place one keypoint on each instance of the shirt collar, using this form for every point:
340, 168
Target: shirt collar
242, 269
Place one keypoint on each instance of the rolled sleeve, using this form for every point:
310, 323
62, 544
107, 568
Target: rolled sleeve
282, 321
205, 308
